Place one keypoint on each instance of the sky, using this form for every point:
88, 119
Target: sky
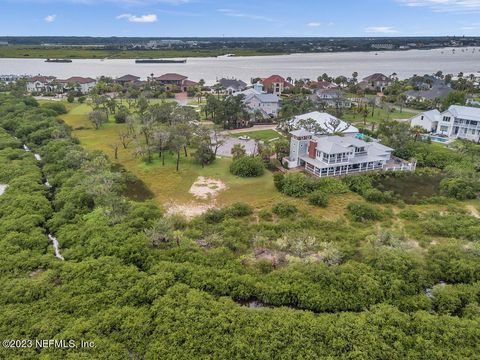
244, 18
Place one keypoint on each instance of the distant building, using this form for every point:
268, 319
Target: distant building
436, 92
232, 86
375, 82
84, 85
173, 81
332, 98
322, 85
125, 79
458, 122
42, 83
257, 100
275, 84
383, 46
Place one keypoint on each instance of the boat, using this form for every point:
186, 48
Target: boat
58, 60
160, 61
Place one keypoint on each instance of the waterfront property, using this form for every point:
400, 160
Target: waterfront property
127, 79
232, 86
326, 155
375, 82
41, 83
275, 84
458, 122
437, 91
173, 81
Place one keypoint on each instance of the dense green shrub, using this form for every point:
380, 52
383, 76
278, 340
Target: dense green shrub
298, 184
278, 180
58, 107
331, 185
247, 166
363, 212
358, 183
284, 209
318, 198
382, 197
239, 210
460, 188
408, 214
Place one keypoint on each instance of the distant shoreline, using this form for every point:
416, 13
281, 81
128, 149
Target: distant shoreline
75, 53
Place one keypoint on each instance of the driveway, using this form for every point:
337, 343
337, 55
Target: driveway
226, 149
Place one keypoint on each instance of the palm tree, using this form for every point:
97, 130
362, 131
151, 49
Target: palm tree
416, 131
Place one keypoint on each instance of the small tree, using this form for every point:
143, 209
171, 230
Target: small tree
98, 118
238, 150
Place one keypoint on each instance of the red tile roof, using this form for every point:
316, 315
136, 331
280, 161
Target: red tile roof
273, 80
42, 78
171, 77
78, 79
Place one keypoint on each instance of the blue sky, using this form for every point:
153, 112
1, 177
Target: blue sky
177, 18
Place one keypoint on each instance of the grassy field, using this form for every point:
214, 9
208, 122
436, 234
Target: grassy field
265, 135
168, 185
42, 52
378, 115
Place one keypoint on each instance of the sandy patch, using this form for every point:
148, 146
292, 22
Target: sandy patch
206, 188
3, 187
473, 210
189, 210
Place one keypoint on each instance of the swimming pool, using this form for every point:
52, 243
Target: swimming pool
439, 139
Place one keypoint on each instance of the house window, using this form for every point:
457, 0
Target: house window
446, 118
422, 117
443, 128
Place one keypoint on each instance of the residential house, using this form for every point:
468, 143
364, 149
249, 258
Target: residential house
173, 81
257, 100
332, 98
375, 82
275, 84
428, 120
41, 83
340, 155
437, 91
321, 123
322, 85
232, 86
81, 84
127, 79
460, 122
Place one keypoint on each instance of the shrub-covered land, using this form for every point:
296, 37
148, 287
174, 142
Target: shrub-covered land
380, 282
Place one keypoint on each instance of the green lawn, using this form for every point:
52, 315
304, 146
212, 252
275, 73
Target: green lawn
265, 135
379, 114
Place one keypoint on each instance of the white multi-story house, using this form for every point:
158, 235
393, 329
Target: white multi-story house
42, 83
83, 85
339, 155
332, 98
338, 149
257, 100
461, 122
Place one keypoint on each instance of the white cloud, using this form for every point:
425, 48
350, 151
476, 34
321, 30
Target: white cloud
314, 24
445, 5
50, 18
236, 13
381, 30
150, 18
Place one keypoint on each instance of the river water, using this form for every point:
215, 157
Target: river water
404, 63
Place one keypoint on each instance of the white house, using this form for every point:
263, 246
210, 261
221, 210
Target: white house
340, 155
461, 122
84, 85
332, 98
321, 123
427, 120
257, 100
41, 83
232, 86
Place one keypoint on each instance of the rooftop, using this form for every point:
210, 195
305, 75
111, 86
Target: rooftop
324, 120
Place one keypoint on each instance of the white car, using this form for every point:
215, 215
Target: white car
246, 138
